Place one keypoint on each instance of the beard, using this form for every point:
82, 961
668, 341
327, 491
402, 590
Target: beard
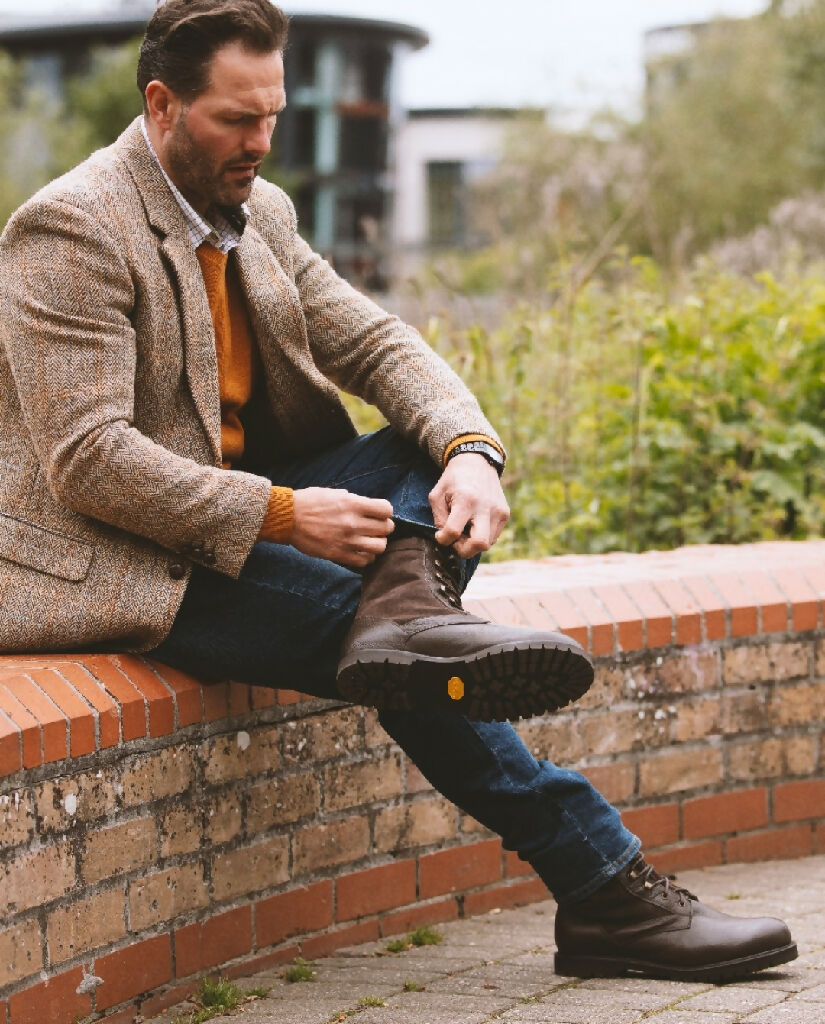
203, 179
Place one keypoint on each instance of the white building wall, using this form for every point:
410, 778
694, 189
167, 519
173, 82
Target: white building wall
471, 138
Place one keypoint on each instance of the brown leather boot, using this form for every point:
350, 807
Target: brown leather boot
640, 923
413, 644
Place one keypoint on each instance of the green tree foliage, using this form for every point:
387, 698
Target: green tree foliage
98, 105
727, 139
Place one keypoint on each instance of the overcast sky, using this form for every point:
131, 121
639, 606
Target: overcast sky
571, 54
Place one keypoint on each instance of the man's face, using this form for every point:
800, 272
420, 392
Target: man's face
215, 144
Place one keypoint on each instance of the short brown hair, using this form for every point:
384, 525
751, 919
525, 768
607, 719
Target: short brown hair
183, 36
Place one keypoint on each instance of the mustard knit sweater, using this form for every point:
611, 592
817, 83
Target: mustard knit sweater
235, 350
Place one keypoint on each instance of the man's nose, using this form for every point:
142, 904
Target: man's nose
259, 139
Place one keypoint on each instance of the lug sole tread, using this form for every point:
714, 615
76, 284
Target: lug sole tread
501, 683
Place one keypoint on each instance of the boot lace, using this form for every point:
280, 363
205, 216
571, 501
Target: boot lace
448, 572
655, 884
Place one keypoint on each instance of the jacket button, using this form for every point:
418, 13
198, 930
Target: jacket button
177, 570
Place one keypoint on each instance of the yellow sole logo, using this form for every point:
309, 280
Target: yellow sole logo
455, 688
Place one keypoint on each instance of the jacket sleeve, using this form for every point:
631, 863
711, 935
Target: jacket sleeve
374, 355
67, 293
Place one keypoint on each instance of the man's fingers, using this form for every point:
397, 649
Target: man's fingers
373, 508
439, 506
457, 520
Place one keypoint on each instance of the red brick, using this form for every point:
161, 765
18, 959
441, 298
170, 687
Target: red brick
374, 890
238, 698
683, 608
625, 614
159, 700
80, 718
261, 697
355, 934
215, 701
11, 753
308, 909
287, 697
188, 693
819, 838
712, 606
656, 614
108, 719
567, 616
601, 625
30, 734
684, 858
796, 801
744, 620
517, 894
655, 826
54, 1001
532, 612
54, 724
213, 942
265, 962
777, 844
814, 576
503, 611
129, 972
460, 869
3, 1013
410, 918
773, 608
130, 701
725, 812
801, 596
155, 1005
515, 867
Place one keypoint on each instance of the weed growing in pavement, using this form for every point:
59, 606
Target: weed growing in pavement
299, 971
212, 999
412, 986
425, 936
366, 1001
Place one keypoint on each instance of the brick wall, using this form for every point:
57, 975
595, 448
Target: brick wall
153, 829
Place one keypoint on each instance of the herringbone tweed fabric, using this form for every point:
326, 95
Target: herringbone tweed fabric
110, 420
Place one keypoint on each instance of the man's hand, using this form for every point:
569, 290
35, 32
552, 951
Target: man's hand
343, 527
469, 491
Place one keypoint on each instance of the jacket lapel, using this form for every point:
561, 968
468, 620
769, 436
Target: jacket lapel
300, 396
165, 216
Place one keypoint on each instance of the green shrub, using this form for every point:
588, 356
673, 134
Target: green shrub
635, 419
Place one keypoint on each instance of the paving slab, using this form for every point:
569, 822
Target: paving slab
498, 967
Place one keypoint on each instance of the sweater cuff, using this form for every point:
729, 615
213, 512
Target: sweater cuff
277, 525
471, 437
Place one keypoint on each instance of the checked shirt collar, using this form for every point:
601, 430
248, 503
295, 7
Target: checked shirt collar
220, 232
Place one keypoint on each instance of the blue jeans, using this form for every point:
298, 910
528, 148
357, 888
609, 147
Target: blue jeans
281, 624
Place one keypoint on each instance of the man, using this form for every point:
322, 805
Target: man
180, 478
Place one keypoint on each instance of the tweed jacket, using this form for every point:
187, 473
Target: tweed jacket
111, 484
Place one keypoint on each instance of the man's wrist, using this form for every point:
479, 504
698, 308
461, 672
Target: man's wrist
485, 449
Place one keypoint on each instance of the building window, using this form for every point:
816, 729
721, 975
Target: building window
445, 201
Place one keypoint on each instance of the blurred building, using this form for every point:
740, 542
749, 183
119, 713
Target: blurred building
668, 51
442, 153
335, 141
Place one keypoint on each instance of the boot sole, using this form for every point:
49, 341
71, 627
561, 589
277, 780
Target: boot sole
505, 681
616, 967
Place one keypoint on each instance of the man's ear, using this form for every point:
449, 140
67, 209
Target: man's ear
162, 105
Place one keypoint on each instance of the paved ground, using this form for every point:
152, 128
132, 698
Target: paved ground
498, 967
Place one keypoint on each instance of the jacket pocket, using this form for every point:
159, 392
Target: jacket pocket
44, 550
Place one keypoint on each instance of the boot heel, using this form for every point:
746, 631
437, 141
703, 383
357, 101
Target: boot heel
585, 967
